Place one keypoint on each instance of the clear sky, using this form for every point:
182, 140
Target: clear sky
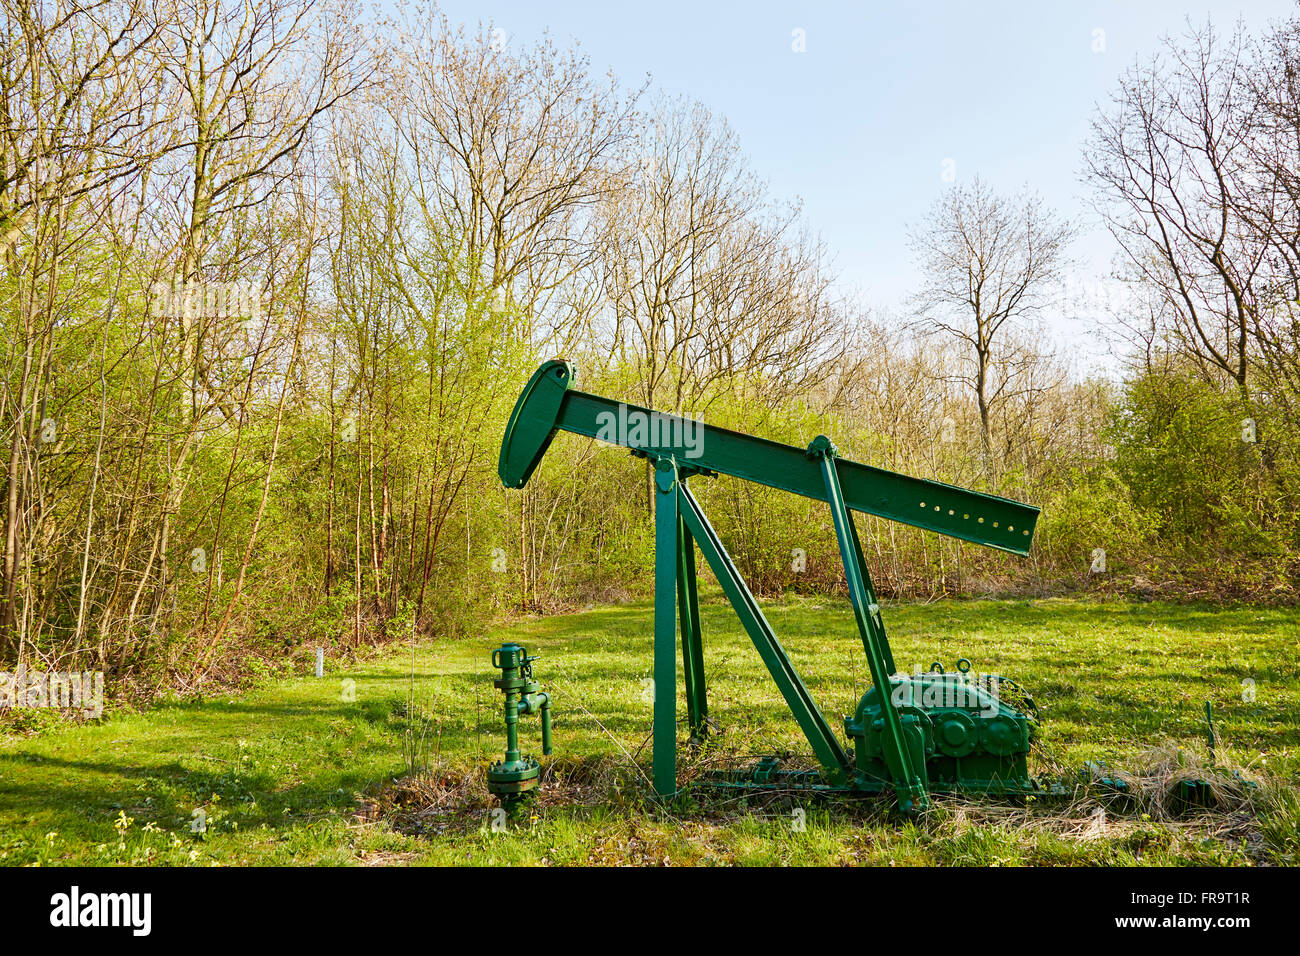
862, 125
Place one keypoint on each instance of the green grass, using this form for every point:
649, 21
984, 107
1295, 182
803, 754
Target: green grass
279, 773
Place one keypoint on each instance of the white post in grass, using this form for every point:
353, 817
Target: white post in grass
320, 662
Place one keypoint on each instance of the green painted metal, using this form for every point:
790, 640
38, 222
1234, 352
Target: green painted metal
550, 402
907, 768
688, 605
532, 423
905, 738
832, 756
514, 777
873, 605
970, 736
667, 526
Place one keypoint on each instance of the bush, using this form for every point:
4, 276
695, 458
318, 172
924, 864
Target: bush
1096, 511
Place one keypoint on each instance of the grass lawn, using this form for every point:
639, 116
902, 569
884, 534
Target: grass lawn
316, 770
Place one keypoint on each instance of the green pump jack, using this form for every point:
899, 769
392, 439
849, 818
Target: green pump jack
911, 734
934, 731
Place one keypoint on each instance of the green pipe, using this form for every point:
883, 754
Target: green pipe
539, 703
512, 778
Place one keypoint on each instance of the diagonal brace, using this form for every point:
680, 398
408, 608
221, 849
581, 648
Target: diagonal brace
834, 760
908, 779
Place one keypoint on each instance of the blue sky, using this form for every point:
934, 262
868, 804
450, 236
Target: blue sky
859, 126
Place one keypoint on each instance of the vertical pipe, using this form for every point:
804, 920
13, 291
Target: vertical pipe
546, 726
509, 673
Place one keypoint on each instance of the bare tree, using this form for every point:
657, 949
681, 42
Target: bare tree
249, 82
989, 262
1274, 210
1171, 158
711, 288
510, 150
74, 111
76, 124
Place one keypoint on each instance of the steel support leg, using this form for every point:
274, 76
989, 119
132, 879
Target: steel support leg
697, 706
877, 622
908, 780
667, 560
